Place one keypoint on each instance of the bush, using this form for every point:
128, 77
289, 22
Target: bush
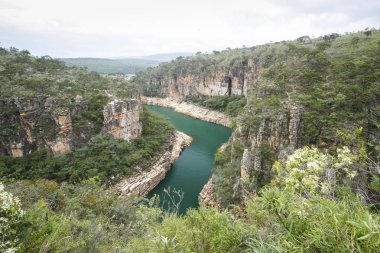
11, 216
232, 105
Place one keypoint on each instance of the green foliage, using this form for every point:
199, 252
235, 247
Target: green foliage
318, 224
310, 172
93, 115
308, 207
232, 105
85, 218
204, 230
226, 172
73, 218
10, 221
103, 157
25, 75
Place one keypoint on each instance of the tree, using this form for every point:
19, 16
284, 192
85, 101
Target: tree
355, 41
367, 32
303, 39
330, 37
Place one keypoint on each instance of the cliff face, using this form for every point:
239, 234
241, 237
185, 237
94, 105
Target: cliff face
31, 123
275, 137
122, 119
217, 81
207, 197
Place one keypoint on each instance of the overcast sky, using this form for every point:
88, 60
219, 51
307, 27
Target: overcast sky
109, 28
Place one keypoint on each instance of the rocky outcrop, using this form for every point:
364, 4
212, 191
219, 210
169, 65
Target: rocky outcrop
62, 143
122, 119
246, 164
29, 123
145, 180
216, 81
192, 110
275, 137
207, 197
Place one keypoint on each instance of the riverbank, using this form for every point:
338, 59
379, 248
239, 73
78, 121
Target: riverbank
146, 180
192, 110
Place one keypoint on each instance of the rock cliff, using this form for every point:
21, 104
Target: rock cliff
208, 80
146, 179
122, 119
29, 123
207, 196
192, 110
275, 137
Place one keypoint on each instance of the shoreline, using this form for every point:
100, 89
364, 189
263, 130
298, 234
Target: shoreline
190, 109
142, 182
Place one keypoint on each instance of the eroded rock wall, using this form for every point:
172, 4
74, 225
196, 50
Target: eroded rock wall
122, 119
273, 138
30, 123
216, 82
207, 196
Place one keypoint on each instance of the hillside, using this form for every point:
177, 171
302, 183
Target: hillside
57, 122
164, 57
108, 66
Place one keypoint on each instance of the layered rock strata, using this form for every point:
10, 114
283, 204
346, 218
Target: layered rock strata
122, 119
192, 110
30, 123
217, 81
143, 181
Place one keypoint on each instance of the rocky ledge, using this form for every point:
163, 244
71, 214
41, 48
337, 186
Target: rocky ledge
207, 196
192, 110
146, 180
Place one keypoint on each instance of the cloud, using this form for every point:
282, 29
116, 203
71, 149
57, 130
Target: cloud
123, 27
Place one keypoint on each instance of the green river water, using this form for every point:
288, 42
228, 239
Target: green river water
193, 168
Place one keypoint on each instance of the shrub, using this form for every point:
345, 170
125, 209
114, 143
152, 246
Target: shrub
11, 216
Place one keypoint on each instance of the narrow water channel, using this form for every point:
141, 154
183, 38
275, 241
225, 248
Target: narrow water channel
193, 168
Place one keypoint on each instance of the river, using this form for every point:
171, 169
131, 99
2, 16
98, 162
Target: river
193, 168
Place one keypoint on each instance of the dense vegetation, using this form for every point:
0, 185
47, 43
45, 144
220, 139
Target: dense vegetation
232, 105
35, 80
307, 201
334, 84
25, 75
108, 66
103, 157
332, 81
282, 218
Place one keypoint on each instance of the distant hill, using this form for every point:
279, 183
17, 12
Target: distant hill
123, 65
103, 65
164, 57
